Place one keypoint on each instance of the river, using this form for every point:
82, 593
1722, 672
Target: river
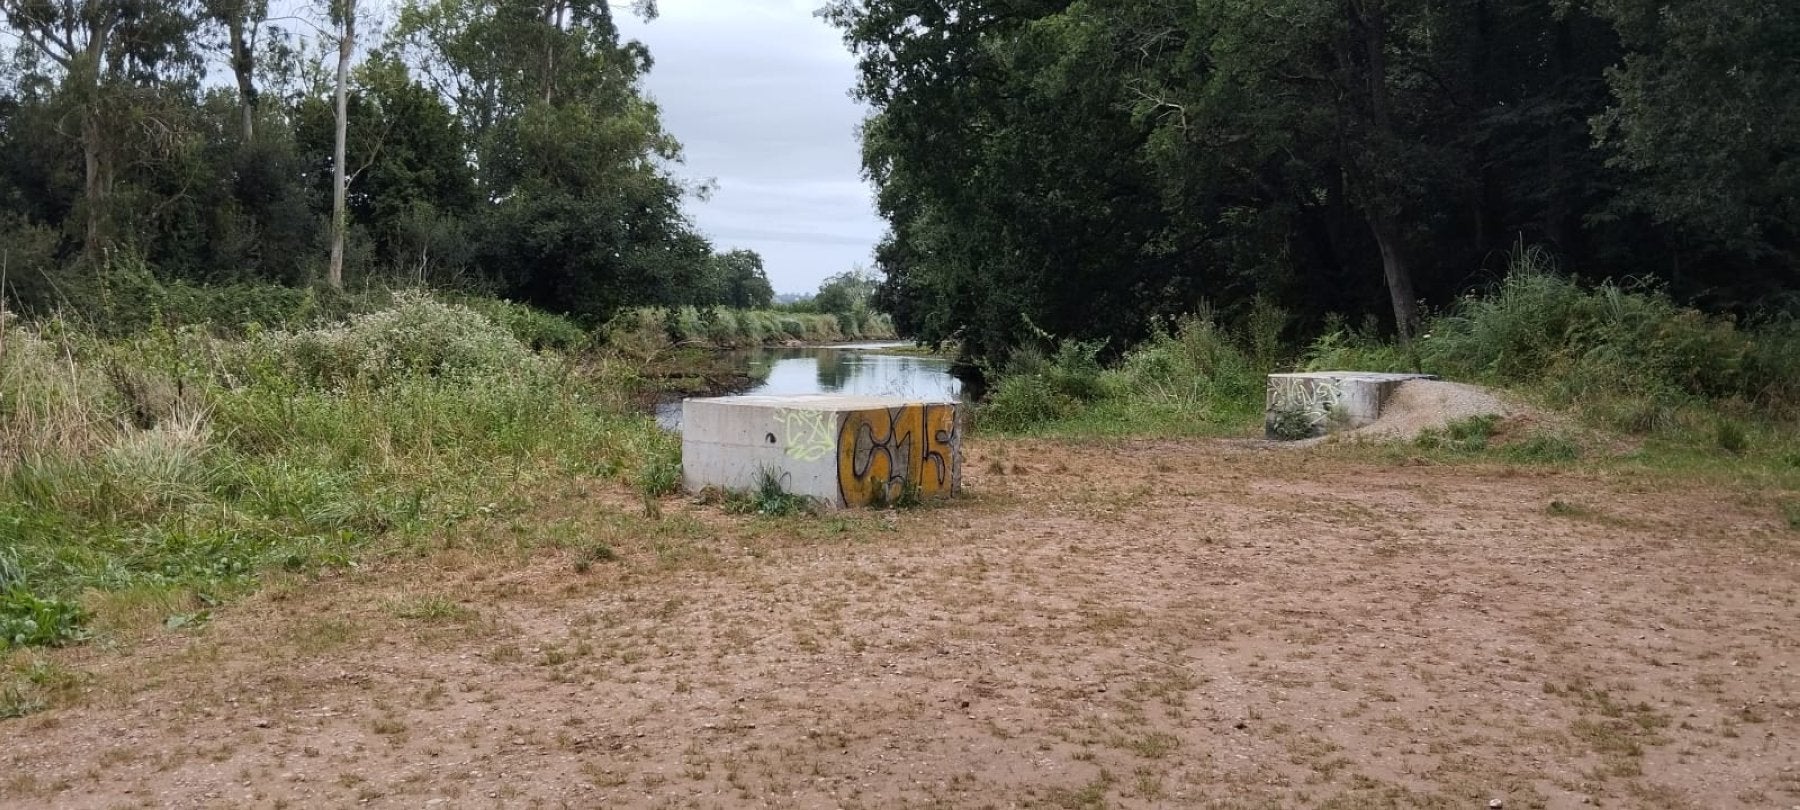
861, 369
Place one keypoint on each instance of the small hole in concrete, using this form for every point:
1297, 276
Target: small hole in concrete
771, 438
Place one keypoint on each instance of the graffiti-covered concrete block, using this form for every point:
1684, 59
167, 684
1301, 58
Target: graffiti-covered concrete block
1327, 401
842, 451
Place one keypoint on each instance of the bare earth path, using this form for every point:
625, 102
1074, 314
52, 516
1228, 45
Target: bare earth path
1201, 624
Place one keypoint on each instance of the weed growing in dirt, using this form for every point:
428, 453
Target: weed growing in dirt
31, 684
1544, 448
769, 498
1470, 435
30, 620
593, 553
1291, 423
1791, 511
1567, 509
434, 608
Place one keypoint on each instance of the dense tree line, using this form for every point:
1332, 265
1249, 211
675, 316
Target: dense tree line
1093, 164
500, 144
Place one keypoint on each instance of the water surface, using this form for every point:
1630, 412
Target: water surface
861, 369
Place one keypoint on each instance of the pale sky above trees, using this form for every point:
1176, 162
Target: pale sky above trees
757, 91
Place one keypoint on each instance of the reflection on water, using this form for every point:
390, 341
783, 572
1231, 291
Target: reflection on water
852, 370
858, 370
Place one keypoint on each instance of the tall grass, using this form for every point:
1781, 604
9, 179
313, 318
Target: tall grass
1191, 377
1621, 357
184, 464
1625, 356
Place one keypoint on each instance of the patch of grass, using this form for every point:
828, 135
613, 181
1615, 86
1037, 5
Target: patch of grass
769, 498
30, 684
1569, 510
1543, 448
1731, 436
592, 553
1470, 435
144, 477
1791, 511
433, 608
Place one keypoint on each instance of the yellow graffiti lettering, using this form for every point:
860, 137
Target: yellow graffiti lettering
885, 454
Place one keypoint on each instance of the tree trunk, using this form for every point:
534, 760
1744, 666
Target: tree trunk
243, 66
1380, 204
340, 217
1398, 273
88, 68
94, 190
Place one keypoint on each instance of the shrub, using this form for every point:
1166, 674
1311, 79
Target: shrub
417, 336
533, 327
1291, 423
724, 327
688, 326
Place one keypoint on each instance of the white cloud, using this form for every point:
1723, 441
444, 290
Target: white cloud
758, 93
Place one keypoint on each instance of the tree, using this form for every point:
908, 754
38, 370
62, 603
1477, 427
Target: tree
105, 53
847, 292
1706, 122
242, 23
582, 217
741, 281
343, 19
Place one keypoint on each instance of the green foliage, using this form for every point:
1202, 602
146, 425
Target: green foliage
1544, 448
648, 330
418, 336
1248, 153
1628, 354
180, 462
1291, 422
1791, 511
1731, 436
1192, 378
769, 498
537, 329
1470, 435
27, 620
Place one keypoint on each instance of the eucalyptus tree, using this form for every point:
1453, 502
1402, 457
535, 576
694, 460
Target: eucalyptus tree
108, 60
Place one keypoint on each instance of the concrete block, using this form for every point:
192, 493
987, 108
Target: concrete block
844, 451
1332, 400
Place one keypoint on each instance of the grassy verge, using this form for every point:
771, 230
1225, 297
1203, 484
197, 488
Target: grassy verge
1631, 380
145, 479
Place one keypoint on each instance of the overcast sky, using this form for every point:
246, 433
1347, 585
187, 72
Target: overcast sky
758, 93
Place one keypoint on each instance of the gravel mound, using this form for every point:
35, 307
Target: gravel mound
1423, 405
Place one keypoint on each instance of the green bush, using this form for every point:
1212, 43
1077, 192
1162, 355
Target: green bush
417, 336
535, 328
1188, 377
1605, 342
688, 326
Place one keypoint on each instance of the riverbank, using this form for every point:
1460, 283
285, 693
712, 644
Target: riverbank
1130, 624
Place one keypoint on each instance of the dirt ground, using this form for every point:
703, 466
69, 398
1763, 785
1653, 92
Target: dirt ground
1199, 624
